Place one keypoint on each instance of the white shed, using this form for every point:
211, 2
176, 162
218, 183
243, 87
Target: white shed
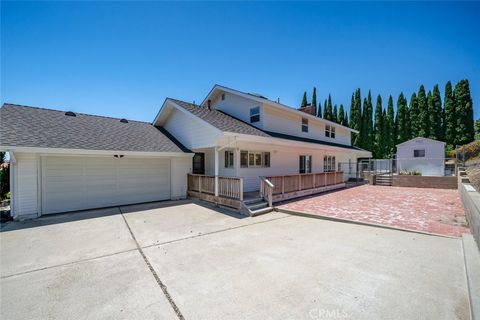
421, 154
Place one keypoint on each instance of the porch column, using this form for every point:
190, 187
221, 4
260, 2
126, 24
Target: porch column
217, 163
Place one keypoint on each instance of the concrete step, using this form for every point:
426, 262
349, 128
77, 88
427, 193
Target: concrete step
261, 211
257, 206
252, 201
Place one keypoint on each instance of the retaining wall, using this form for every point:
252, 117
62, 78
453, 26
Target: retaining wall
425, 182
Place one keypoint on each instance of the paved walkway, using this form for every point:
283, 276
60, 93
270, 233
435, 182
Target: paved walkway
429, 210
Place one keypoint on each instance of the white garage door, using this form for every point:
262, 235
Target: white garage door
77, 183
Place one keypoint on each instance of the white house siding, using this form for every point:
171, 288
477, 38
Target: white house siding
433, 164
239, 107
288, 123
27, 179
284, 160
25, 184
180, 167
191, 132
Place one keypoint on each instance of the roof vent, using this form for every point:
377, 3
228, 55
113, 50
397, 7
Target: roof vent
124, 120
70, 114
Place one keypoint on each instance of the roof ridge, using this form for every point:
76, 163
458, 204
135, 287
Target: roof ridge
80, 113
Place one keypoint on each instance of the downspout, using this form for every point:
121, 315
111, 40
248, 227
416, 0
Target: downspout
13, 162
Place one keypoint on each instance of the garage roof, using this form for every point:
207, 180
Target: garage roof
24, 126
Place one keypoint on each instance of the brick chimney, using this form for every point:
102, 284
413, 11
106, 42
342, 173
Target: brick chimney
308, 109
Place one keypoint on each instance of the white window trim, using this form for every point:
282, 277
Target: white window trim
232, 153
329, 130
305, 164
254, 153
305, 125
255, 114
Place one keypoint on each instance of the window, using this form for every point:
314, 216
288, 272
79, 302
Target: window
223, 96
199, 163
305, 164
266, 159
254, 114
304, 125
419, 153
253, 159
328, 163
329, 131
228, 159
244, 159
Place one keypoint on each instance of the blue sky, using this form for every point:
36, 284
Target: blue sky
122, 59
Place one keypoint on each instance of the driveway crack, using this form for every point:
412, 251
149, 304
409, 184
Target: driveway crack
154, 273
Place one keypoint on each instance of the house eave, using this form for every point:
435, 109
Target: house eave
272, 103
287, 142
41, 150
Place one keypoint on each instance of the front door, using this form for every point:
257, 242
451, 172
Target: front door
199, 163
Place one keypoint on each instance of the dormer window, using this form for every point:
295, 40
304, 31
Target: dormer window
329, 131
304, 125
254, 114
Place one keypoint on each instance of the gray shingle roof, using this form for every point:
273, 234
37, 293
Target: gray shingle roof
220, 120
24, 126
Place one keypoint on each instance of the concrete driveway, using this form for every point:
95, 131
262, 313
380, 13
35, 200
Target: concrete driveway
190, 261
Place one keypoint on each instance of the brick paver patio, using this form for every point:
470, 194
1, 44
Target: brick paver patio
437, 211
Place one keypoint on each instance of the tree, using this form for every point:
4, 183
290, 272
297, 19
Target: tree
304, 100
435, 114
2, 157
389, 129
465, 131
378, 130
368, 123
335, 114
329, 112
423, 118
325, 109
356, 116
341, 115
319, 110
403, 130
450, 118
345, 122
477, 126
314, 101
413, 116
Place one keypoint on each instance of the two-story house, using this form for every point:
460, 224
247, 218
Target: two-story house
224, 147
237, 134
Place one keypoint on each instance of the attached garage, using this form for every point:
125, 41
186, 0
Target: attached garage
62, 162
78, 183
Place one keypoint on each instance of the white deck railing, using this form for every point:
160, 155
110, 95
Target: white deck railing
228, 187
303, 181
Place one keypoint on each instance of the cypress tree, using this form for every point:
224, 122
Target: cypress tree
437, 106
345, 122
413, 116
325, 109
450, 124
378, 143
304, 100
436, 117
314, 101
356, 116
402, 119
465, 131
352, 106
368, 123
341, 115
390, 129
335, 114
423, 118
319, 110
384, 136
431, 116
329, 114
